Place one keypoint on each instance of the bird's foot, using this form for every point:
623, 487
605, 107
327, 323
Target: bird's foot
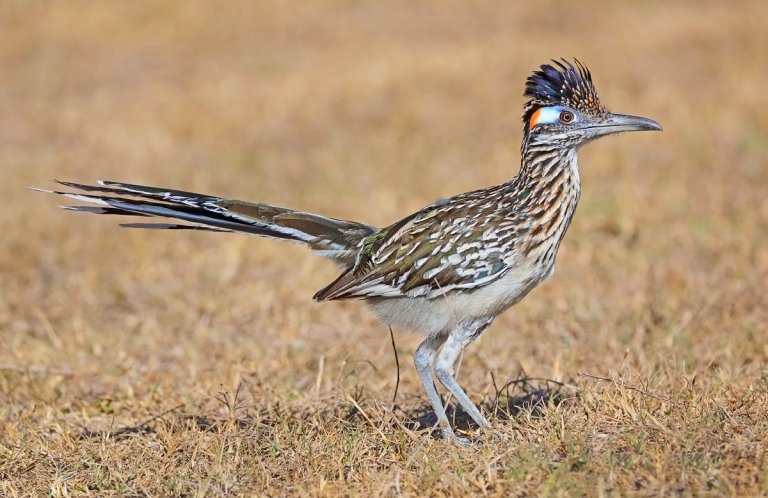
485, 435
451, 437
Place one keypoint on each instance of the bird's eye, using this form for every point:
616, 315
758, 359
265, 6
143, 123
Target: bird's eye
566, 117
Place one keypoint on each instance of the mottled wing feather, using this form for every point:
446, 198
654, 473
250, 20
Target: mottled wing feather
444, 247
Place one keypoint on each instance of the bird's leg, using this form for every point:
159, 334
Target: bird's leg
444, 367
424, 358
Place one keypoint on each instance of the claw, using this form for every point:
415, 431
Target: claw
451, 437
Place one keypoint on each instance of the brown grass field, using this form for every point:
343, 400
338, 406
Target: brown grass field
146, 363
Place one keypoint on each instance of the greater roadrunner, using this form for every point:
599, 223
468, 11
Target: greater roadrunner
447, 270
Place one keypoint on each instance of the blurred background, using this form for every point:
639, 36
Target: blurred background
367, 111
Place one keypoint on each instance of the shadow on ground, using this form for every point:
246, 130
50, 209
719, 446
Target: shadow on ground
523, 394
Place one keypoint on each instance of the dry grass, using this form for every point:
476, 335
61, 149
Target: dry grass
143, 363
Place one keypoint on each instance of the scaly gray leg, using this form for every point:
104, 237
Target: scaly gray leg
444, 368
424, 359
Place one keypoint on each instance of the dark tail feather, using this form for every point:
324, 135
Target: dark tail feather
171, 226
337, 239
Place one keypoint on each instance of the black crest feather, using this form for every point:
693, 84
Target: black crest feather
564, 83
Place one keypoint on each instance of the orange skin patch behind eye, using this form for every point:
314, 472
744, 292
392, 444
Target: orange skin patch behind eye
535, 118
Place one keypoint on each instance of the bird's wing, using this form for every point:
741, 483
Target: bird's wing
449, 246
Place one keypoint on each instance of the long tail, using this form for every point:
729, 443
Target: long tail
336, 239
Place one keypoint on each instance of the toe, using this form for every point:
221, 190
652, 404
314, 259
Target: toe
464, 442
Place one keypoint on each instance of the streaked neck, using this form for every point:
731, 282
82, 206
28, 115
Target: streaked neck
549, 176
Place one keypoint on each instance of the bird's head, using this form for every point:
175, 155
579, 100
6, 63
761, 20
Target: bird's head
564, 108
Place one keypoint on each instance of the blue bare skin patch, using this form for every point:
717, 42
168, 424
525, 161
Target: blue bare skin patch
551, 115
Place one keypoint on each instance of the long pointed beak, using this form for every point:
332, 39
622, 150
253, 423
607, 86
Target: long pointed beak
616, 123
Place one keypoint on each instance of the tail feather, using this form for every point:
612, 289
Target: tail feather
337, 239
98, 210
172, 226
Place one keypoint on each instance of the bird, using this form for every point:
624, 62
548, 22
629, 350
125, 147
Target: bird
447, 270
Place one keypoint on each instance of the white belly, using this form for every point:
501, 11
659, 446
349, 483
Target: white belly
431, 316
